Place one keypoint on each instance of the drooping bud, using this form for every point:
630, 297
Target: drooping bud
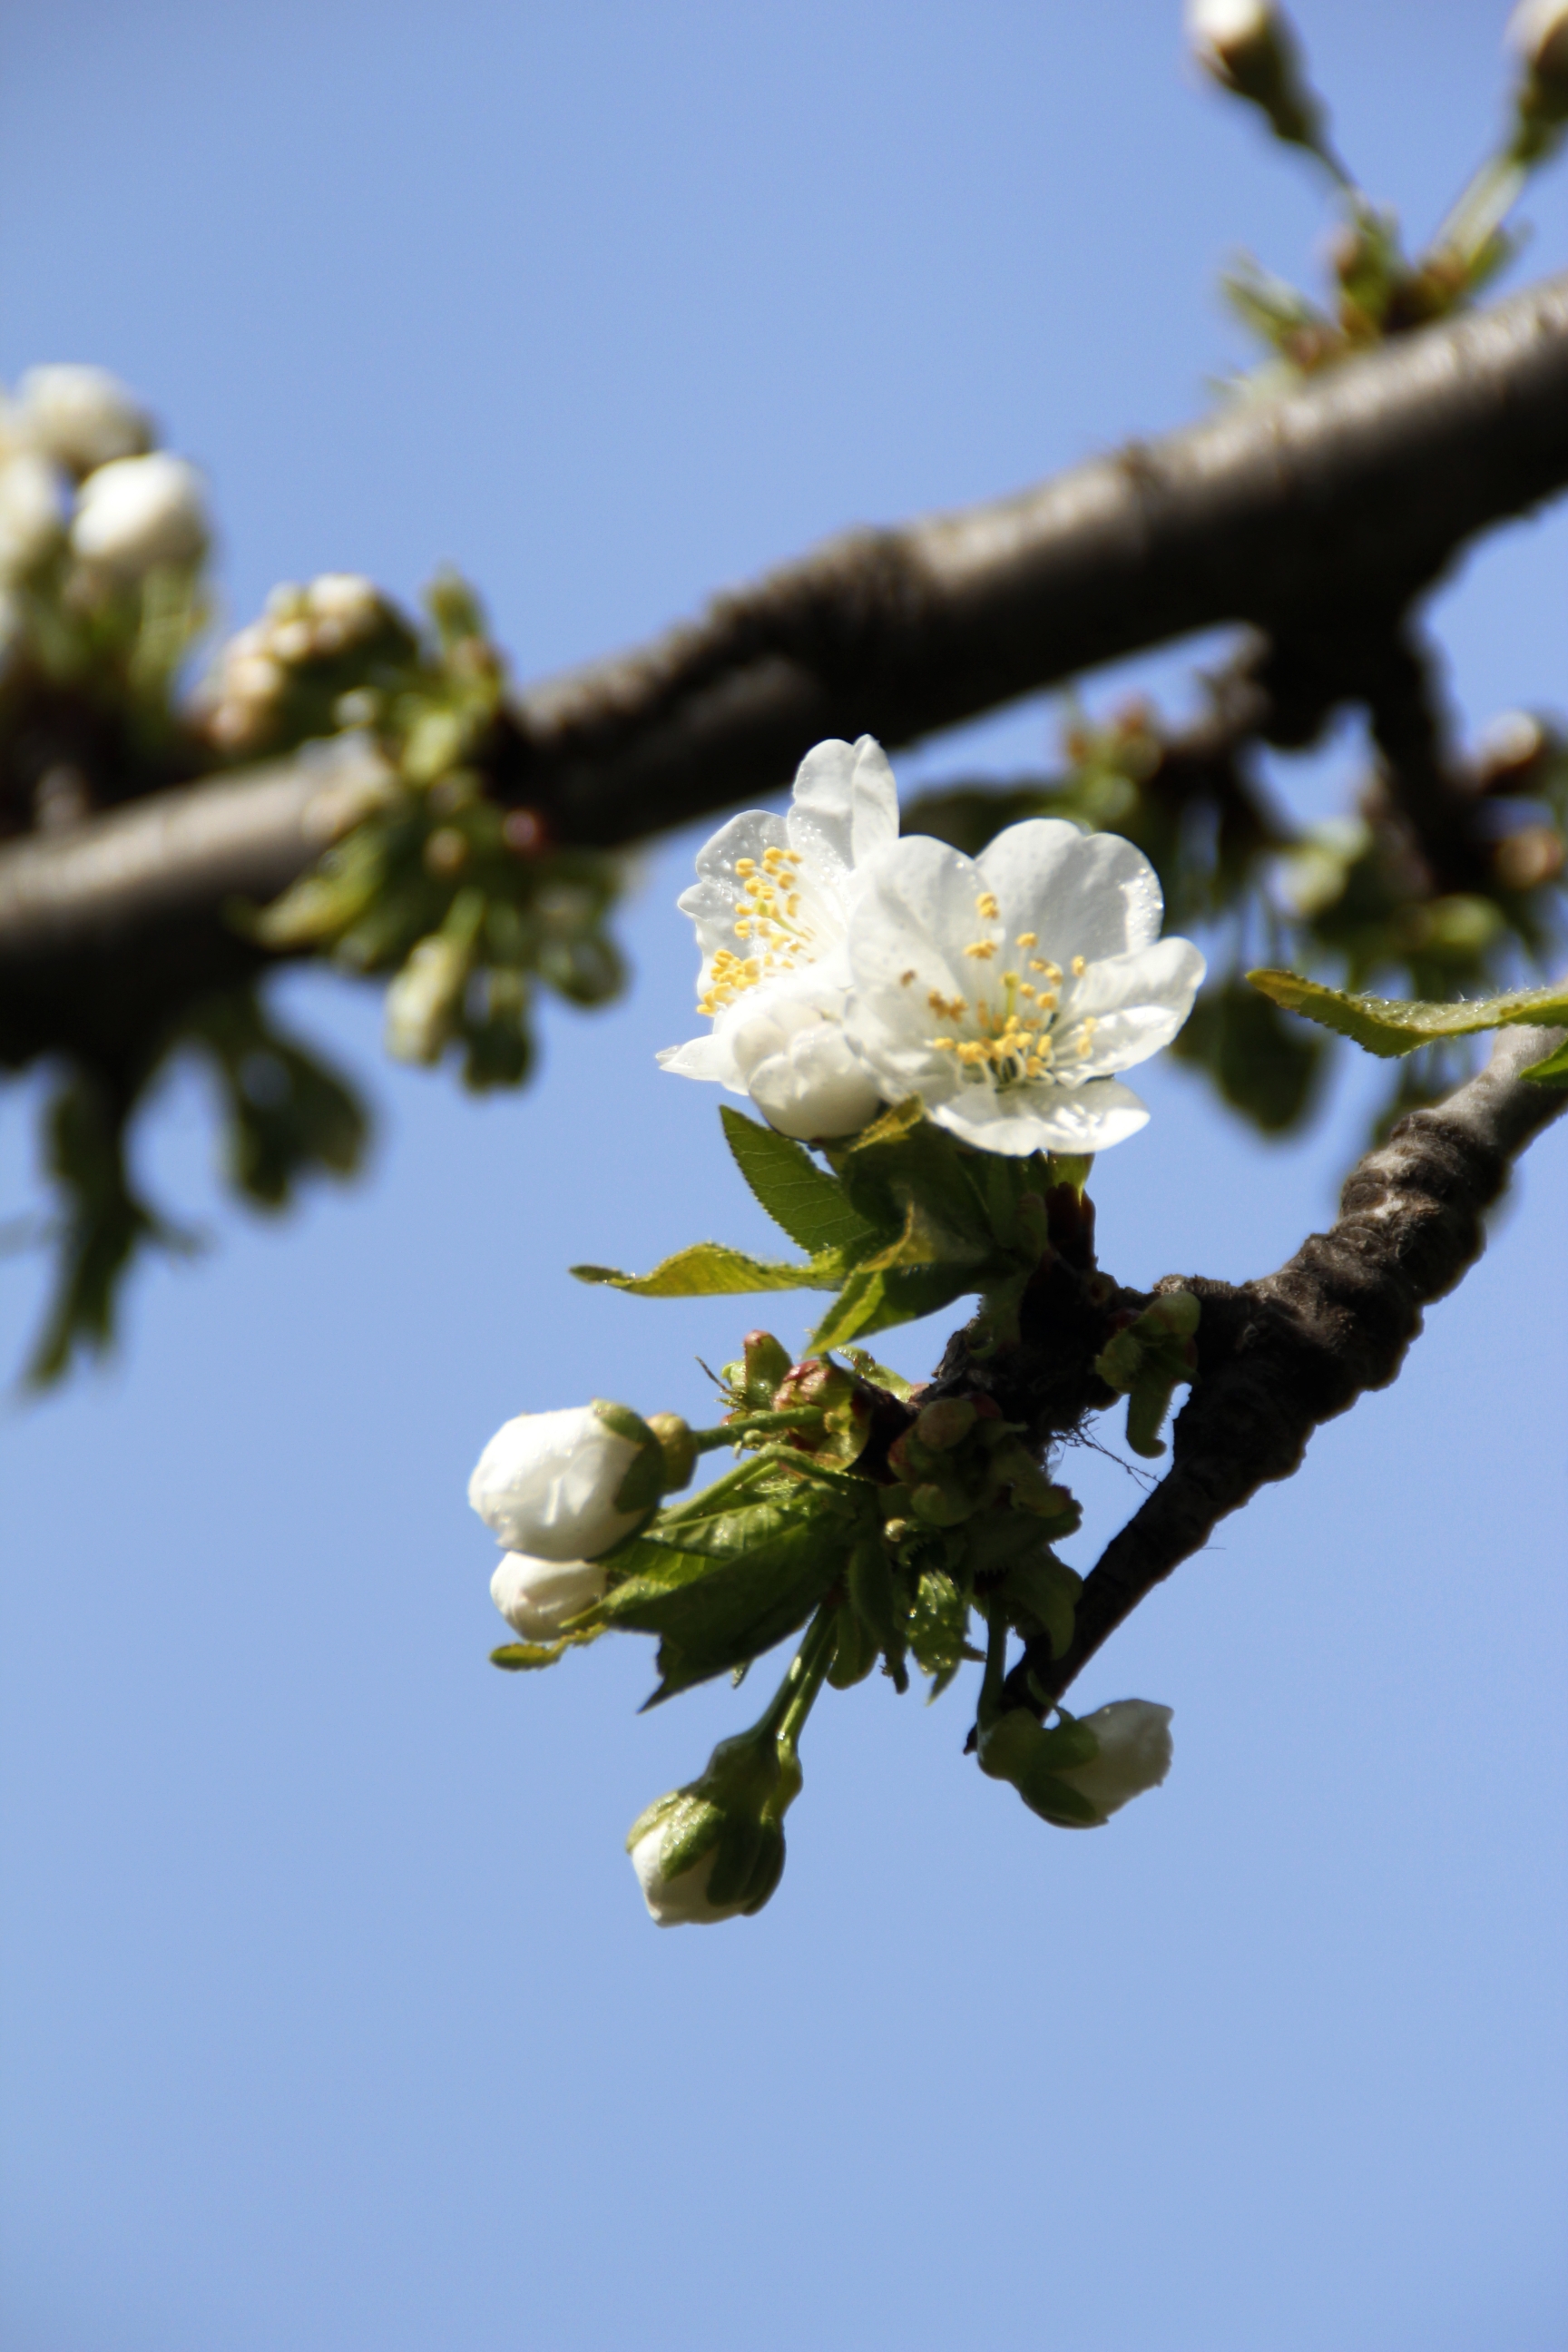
715, 1849
1083, 1769
1538, 33
536, 1597
568, 1485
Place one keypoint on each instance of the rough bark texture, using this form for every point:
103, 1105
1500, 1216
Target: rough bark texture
1318, 516
1279, 1356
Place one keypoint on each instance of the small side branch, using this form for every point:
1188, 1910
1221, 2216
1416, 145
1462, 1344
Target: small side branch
1281, 1356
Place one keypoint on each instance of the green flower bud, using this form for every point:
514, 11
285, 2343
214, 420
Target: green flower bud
678, 1446
715, 1849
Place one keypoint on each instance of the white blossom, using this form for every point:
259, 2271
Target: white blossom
1005, 991
33, 506
681, 1901
82, 417
537, 1596
772, 907
1134, 1737
546, 1484
139, 512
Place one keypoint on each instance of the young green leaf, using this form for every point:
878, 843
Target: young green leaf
811, 1206
875, 1302
1393, 1026
710, 1269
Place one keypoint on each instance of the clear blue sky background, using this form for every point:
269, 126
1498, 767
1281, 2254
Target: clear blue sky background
332, 2018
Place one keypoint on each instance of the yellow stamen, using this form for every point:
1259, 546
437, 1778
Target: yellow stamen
1029, 939
981, 950
1078, 967
986, 902
905, 977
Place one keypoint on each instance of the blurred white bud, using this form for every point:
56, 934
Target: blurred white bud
1134, 1737
547, 1484
345, 597
537, 1596
1221, 31
33, 506
138, 512
424, 999
83, 417
681, 1901
1538, 31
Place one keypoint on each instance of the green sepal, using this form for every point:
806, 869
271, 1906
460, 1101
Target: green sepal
521, 1657
812, 1206
643, 1481
1055, 1801
855, 1647
1392, 1026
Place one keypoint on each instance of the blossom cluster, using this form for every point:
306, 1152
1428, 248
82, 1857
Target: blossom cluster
845, 968
81, 484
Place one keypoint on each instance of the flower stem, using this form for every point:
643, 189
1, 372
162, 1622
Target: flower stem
1481, 208
785, 1718
756, 1425
996, 1673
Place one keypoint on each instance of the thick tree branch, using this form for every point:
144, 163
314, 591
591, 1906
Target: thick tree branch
1347, 495
1281, 1356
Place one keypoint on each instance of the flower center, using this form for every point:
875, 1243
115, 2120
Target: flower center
768, 918
1011, 1035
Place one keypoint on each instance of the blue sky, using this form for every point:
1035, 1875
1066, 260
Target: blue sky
332, 2017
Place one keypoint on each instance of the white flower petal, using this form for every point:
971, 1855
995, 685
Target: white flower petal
1076, 1119
846, 805
1137, 1004
546, 1485
1134, 1736
1089, 895
682, 1901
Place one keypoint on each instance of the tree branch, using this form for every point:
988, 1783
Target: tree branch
1353, 492
1279, 1357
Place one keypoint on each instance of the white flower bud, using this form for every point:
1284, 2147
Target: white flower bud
799, 1067
1222, 30
1134, 1737
139, 512
537, 1596
32, 512
424, 999
347, 598
681, 1901
81, 416
547, 1484
1538, 32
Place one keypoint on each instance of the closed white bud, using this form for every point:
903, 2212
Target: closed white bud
1221, 31
1134, 1737
139, 512
547, 1484
799, 1067
82, 417
1538, 31
681, 1901
33, 498
537, 1596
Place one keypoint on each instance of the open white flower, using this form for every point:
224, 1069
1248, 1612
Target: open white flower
1004, 990
138, 512
537, 1596
772, 906
547, 1483
681, 1901
1134, 1736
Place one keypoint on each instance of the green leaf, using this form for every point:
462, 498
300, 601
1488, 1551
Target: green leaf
877, 1301
1390, 1026
713, 1613
1554, 1070
708, 1269
811, 1206
904, 1160
520, 1657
